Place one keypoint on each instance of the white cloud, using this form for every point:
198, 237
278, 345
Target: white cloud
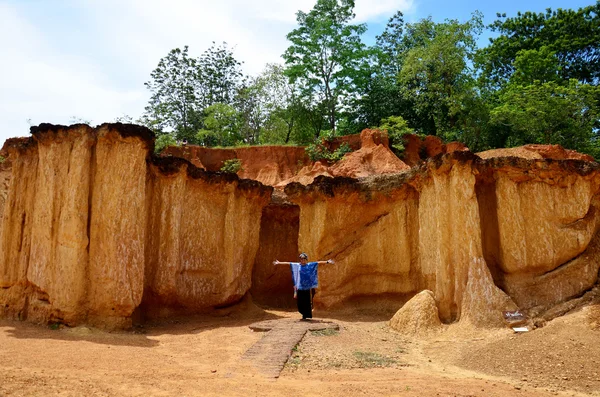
41, 85
381, 9
97, 70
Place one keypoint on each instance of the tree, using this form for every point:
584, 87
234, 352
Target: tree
573, 36
536, 65
548, 113
219, 76
221, 126
183, 87
381, 94
436, 72
163, 141
326, 55
391, 46
173, 102
252, 114
282, 103
278, 107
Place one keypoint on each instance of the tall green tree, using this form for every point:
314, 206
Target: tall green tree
173, 103
436, 73
283, 107
391, 46
219, 76
381, 96
251, 103
221, 126
548, 113
182, 87
326, 56
572, 35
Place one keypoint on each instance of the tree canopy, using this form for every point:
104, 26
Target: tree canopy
535, 82
326, 56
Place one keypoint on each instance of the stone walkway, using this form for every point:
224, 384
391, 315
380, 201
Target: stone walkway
272, 351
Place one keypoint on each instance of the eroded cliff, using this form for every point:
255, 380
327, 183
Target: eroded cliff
484, 235
96, 229
93, 224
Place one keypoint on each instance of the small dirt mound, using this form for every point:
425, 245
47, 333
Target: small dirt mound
558, 152
418, 150
594, 317
373, 158
418, 316
510, 152
555, 152
307, 174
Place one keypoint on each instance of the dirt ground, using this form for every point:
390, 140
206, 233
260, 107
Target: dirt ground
203, 356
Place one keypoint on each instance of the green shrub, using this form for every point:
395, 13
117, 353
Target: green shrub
396, 128
162, 141
233, 166
318, 151
340, 152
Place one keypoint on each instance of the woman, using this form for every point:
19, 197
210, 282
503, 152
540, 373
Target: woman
305, 277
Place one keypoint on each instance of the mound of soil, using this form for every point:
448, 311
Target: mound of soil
418, 316
555, 152
373, 158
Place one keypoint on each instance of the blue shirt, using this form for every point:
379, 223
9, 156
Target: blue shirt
305, 277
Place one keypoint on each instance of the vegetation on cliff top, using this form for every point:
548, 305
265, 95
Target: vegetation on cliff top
536, 82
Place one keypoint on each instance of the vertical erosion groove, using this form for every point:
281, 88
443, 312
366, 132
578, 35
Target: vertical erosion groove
278, 239
485, 188
92, 174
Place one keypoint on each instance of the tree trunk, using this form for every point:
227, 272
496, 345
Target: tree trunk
289, 132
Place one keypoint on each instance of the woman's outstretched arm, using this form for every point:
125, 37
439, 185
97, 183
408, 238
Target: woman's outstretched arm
328, 261
276, 262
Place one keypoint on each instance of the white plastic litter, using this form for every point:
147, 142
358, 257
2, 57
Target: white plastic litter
520, 329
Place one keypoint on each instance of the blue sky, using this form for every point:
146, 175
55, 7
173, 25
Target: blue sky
89, 59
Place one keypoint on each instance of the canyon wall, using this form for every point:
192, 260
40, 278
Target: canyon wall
483, 235
92, 226
203, 234
96, 229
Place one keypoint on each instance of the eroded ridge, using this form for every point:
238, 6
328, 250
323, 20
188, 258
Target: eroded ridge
272, 351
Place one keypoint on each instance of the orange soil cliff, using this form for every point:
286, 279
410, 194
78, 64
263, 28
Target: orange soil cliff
267, 164
279, 165
95, 229
458, 226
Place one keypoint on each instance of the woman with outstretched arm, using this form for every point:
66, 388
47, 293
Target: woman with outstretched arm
305, 277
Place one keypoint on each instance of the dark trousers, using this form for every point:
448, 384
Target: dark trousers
304, 303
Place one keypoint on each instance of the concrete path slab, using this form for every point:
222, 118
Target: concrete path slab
272, 351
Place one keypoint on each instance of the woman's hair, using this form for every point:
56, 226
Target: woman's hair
303, 256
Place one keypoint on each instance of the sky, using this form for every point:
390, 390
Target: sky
63, 61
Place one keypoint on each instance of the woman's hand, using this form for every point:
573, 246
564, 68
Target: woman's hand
276, 262
330, 261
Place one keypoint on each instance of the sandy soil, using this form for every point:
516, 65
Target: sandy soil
202, 356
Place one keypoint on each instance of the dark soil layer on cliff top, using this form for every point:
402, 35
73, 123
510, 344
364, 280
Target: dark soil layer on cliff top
203, 356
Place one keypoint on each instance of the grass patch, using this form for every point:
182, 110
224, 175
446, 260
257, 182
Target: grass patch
54, 326
334, 364
325, 332
373, 360
295, 359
